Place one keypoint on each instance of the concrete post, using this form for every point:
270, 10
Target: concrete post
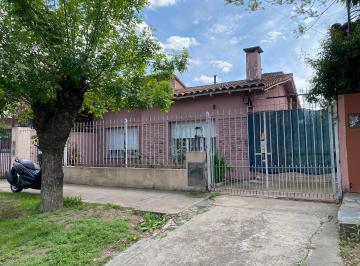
208, 150
196, 168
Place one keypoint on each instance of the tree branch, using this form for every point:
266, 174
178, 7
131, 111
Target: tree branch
66, 24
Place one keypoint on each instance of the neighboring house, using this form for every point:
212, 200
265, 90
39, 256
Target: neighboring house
153, 137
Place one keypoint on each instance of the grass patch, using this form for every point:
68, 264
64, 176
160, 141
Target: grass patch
79, 234
71, 202
109, 206
213, 195
151, 221
301, 263
350, 247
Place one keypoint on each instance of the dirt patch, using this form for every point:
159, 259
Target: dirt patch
350, 248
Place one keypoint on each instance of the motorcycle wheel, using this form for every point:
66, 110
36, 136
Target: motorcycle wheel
15, 189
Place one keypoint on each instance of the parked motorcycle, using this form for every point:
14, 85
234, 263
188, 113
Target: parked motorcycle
24, 174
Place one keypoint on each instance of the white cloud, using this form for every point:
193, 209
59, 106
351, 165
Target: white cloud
272, 36
195, 62
206, 79
221, 28
308, 20
161, 3
199, 20
235, 40
223, 65
227, 25
178, 43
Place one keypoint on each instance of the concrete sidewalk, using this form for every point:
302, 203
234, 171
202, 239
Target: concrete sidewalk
246, 231
169, 202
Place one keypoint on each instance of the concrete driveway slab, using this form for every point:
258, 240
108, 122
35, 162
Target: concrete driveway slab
246, 231
170, 202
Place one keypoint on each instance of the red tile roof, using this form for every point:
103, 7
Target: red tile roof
267, 81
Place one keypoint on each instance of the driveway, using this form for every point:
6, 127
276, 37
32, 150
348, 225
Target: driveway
170, 202
246, 231
233, 231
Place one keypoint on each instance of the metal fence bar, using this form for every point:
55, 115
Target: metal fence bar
332, 152
126, 141
269, 151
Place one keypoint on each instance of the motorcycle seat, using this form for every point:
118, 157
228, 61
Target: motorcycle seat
29, 164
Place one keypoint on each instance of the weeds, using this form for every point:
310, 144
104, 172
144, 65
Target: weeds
350, 246
213, 195
301, 263
110, 206
220, 168
72, 202
309, 247
152, 221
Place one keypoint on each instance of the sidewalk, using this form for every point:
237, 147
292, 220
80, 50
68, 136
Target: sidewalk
169, 202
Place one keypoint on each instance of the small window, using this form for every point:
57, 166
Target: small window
115, 141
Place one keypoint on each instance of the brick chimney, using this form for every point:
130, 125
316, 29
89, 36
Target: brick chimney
253, 62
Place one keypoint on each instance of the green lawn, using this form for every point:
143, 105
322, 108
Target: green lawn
350, 247
79, 234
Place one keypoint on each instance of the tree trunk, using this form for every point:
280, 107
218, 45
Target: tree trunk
52, 180
53, 122
52, 141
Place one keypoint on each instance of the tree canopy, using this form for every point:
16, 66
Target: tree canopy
58, 57
101, 44
337, 65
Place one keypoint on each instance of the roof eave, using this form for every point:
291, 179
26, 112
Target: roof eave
224, 91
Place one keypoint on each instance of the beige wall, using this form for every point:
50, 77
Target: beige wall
153, 178
22, 143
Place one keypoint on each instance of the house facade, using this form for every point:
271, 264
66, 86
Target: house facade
257, 137
217, 111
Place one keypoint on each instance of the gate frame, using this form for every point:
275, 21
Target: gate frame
335, 164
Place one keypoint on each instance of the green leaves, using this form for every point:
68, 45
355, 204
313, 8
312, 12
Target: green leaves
98, 45
337, 66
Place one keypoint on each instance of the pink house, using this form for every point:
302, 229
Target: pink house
158, 139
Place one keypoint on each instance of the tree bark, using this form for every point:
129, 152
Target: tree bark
52, 180
52, 139
53, 122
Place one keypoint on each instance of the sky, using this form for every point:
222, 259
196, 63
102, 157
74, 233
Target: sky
216, 35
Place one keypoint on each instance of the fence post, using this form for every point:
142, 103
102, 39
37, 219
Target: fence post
337, 153
65, 154
13, 143
208, 150
266, 153
333, 177
126, 141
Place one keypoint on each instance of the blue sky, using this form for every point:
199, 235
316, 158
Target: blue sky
216, 34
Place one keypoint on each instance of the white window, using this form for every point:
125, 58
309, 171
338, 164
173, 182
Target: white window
115, 141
